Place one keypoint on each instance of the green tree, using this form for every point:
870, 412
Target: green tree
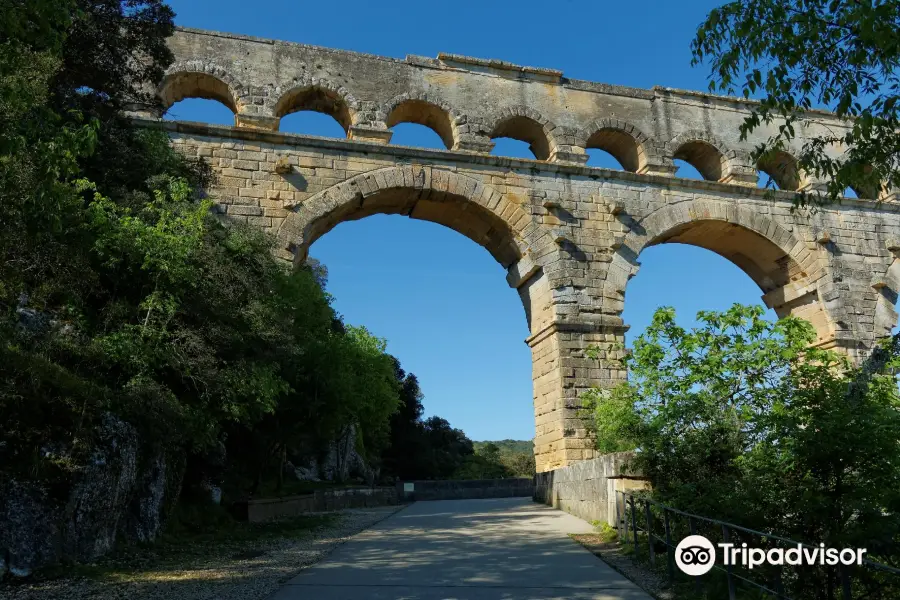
798, 55
121, 294
741, 419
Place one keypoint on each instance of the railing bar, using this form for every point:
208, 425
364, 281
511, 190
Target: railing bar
750, 581
866, 561
669, 548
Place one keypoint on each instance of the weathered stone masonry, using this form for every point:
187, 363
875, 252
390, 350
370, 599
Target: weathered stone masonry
569, 235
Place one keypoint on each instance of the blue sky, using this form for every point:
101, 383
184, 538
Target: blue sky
440, 300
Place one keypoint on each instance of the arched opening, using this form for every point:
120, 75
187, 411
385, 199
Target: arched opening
456, 212
693, 277
778, 169
512, 148
310, 122
201, 111
525, 130
197, 97
621, 146
602, 159
441, 287
704, 157
865, 193
686, 170
419, 136
315, 99
427, 116
864, 190
446, 311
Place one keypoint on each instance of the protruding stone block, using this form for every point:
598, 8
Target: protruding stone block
256, 122
370, 134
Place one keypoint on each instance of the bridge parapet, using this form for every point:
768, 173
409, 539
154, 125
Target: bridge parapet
470, 101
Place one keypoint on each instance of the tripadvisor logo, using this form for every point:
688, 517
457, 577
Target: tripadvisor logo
695, 555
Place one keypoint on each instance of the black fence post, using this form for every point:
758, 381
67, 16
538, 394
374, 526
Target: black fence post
648, 519
726, 537
633, 523
845, 583
779, 586
697, 586
670, 551
618, 519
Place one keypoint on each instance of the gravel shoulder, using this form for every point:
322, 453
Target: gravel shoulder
611, 553
250, 571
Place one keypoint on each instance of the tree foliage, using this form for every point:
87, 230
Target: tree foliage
121, 294
741, 419
799, 55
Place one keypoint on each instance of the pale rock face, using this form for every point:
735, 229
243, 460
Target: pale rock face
340, 463
569, 236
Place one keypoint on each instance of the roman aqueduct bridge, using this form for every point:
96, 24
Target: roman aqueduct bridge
569, 236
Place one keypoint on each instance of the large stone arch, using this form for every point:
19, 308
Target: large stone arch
200, 79
484, 215
458, 201
790, 274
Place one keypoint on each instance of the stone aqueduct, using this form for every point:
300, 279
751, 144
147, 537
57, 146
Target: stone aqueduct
569, 235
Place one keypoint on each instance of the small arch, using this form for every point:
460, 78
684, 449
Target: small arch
422, 112
686, 170
317, 98
627, 144
602, 159
706, 153
704, 157
868, 192
180, 85
782, 168
528, 126
200, 110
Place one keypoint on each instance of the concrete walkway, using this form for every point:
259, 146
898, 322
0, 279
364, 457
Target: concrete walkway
500, 549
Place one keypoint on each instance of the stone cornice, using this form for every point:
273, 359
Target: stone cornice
414, 154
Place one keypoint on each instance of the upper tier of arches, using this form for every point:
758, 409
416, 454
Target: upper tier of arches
636, 150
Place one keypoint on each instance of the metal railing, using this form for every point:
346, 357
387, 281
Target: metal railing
662, 525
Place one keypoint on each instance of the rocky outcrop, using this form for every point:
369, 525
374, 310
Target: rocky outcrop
29, 528
114, 494
341, 462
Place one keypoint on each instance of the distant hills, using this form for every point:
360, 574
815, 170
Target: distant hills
511, 446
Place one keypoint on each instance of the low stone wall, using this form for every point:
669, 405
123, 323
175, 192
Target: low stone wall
269, 509
587, 489
466, 489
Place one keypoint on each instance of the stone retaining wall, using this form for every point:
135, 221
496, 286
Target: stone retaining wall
268, 509
587, 489
467, 489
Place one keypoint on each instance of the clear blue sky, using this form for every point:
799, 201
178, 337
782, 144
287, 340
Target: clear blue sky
439, 299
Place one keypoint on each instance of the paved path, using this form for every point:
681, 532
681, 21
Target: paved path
501, 549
